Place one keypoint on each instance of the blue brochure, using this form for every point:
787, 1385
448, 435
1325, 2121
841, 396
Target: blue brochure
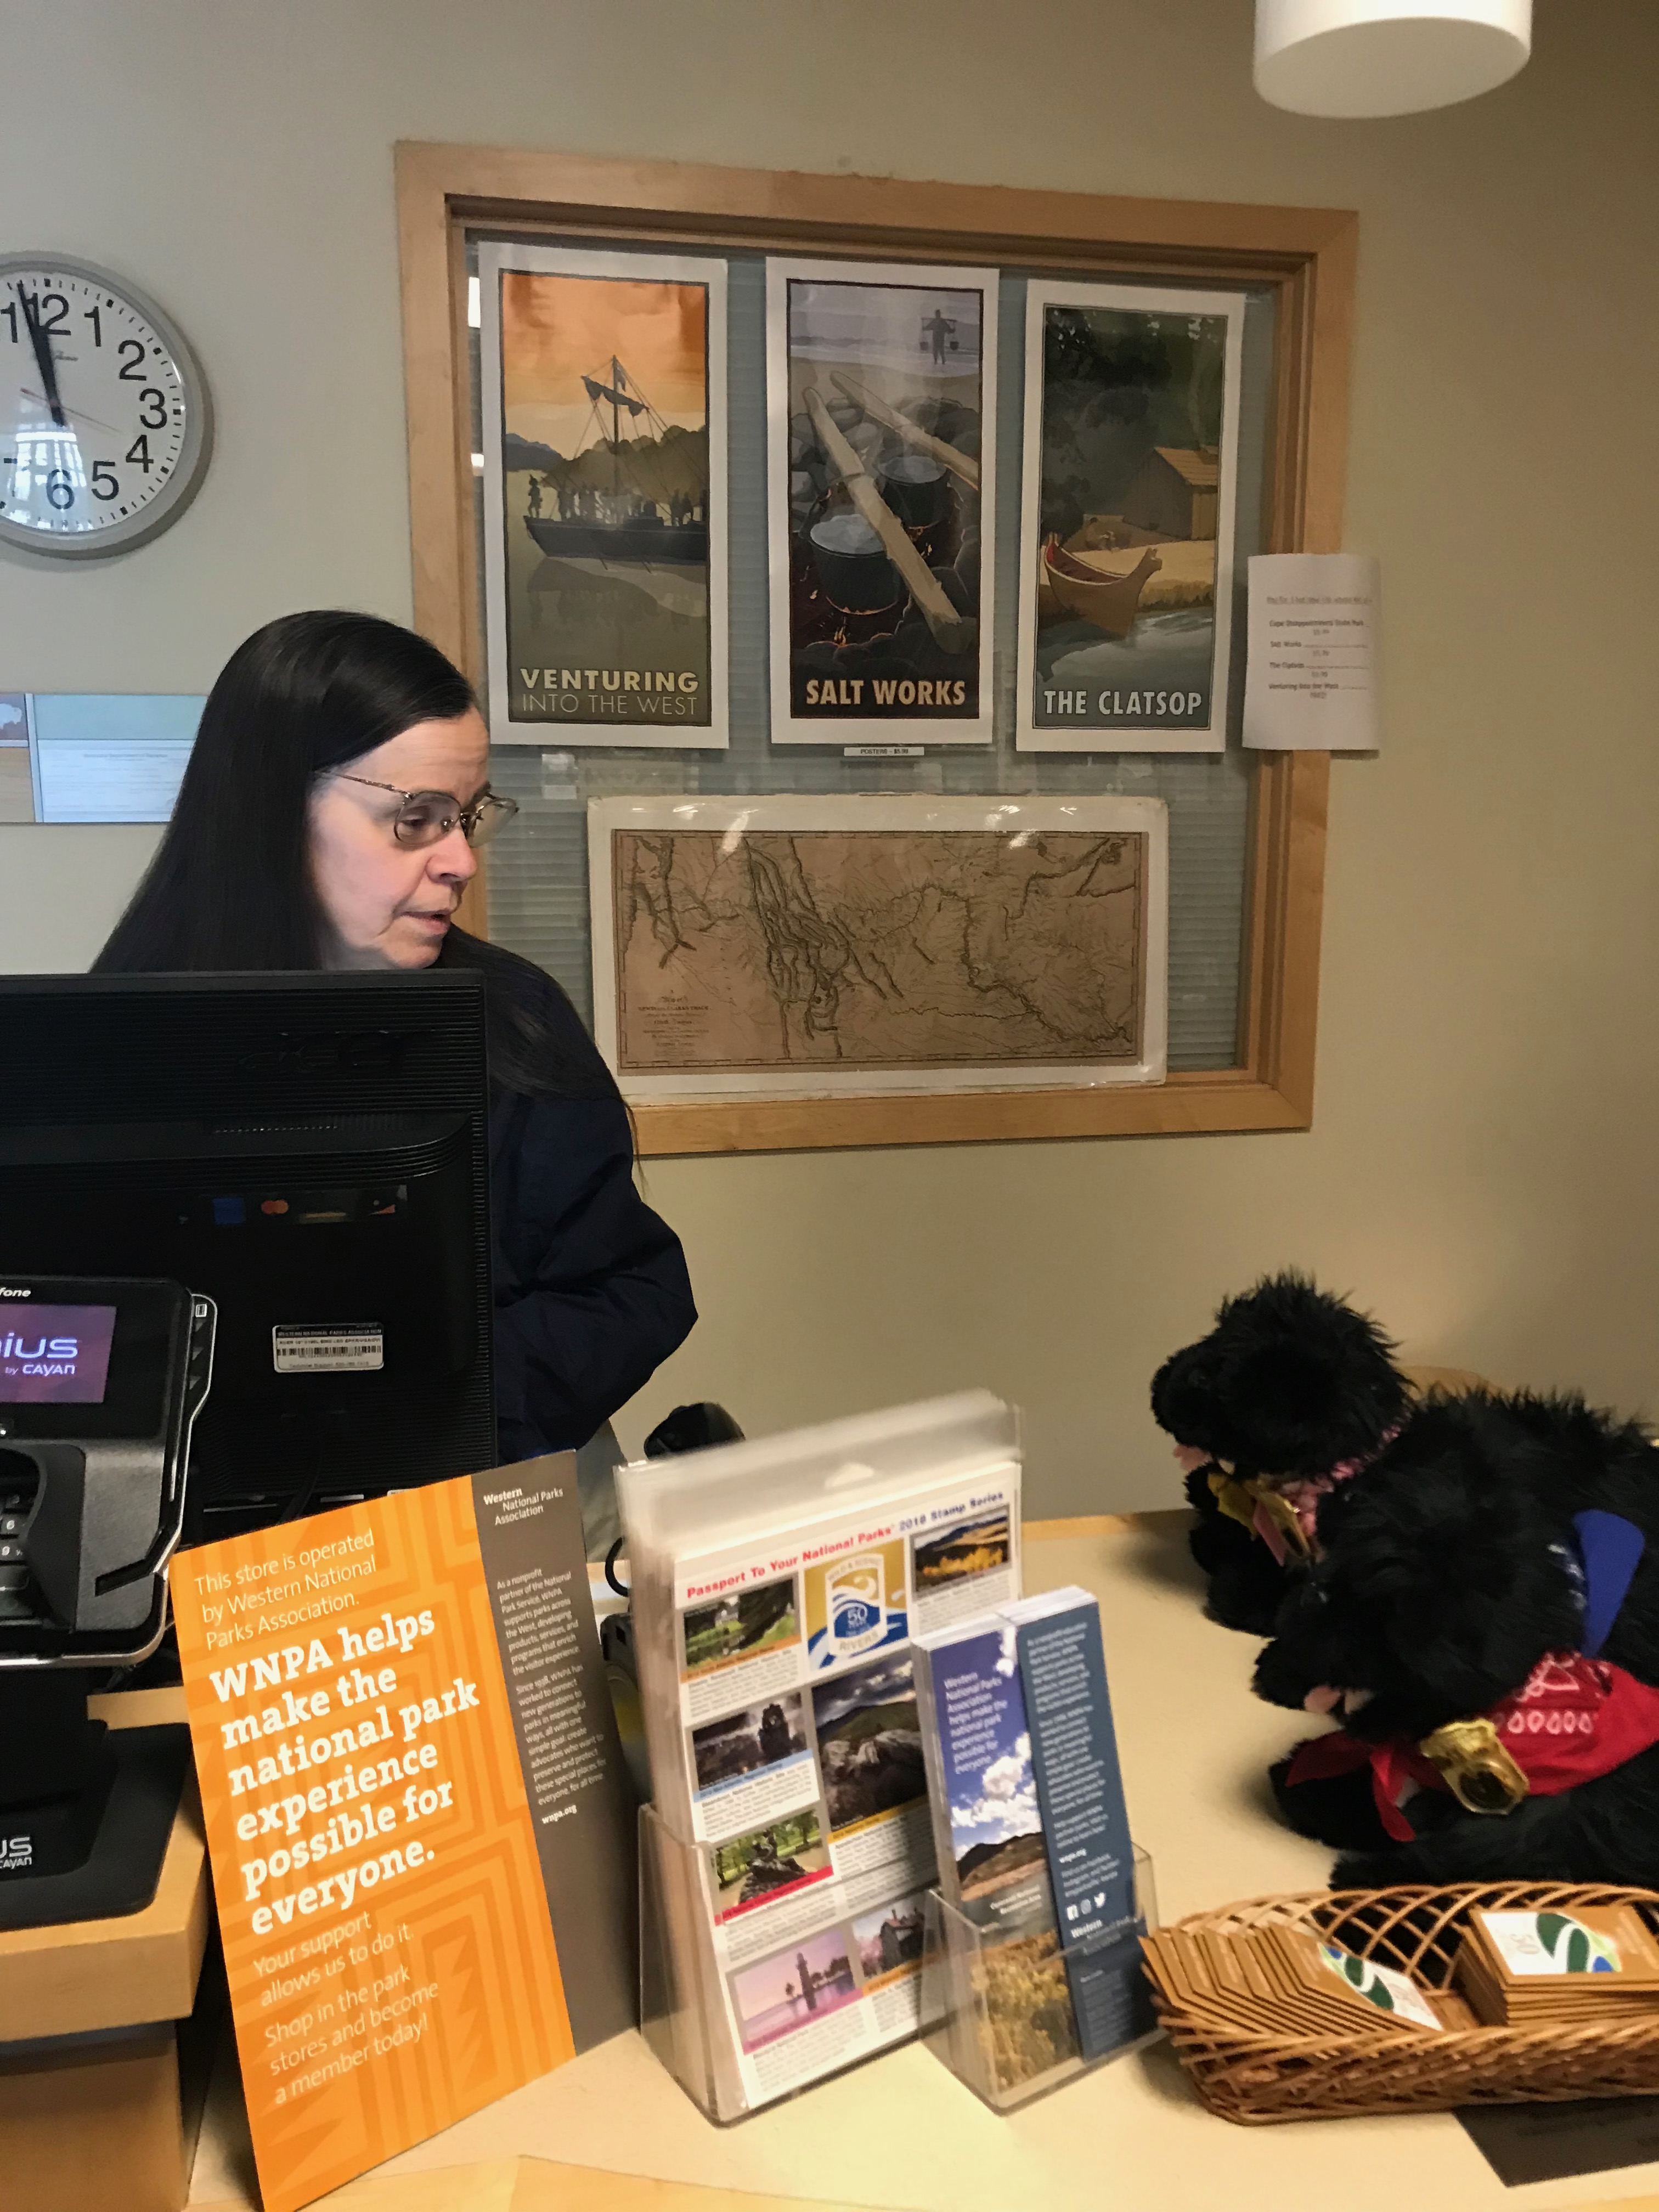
1085, 1823
978, 1748
1073, 1753
1033, 1833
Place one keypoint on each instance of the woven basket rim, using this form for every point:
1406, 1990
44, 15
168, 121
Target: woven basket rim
1459, 2063
1523, 2041
1415, 1892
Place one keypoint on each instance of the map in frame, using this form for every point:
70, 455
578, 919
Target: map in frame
819, 947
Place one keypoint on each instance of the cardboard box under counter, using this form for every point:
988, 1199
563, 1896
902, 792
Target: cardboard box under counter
102, 2064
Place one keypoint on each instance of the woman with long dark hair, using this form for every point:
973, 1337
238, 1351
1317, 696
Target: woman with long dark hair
328, 818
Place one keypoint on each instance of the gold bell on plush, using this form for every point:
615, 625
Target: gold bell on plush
1240, 1501
1480, 1773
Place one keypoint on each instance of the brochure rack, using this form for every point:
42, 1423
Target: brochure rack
675, 2008
788, 1849
979, 2018
680, 2008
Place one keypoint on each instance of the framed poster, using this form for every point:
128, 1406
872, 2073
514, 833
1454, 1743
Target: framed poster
803, 947
1131, 465
604, 483
881, 465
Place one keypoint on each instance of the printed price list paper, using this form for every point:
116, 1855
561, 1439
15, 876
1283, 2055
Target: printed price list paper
1310, 683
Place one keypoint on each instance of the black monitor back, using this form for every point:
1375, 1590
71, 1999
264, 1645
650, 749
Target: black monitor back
311, 1151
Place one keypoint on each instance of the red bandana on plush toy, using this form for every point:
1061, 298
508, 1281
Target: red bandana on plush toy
1577, 1716
1575, 1719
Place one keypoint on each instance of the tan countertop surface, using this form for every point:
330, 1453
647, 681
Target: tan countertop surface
900, 2132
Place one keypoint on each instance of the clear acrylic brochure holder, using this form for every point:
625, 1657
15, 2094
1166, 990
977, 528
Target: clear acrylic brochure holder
729, 1505
1004, 2063
1003, 2022
681, 2014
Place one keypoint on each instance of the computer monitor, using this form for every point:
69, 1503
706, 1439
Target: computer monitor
310, 1153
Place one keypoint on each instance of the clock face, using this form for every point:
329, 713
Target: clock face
104, 419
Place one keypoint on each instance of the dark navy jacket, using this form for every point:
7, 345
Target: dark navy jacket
592, 1292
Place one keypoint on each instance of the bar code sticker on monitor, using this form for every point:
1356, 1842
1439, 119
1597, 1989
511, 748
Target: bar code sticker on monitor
327, 1347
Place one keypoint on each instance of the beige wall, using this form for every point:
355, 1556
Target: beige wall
1481, 1169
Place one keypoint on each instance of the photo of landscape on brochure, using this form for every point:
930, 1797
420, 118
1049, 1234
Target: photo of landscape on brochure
967, 1562
890, 1939
748, 1622
1028, 2007
793, 1988
996, 1829
966, 1548
752, 1766
778, 1861
869, 1743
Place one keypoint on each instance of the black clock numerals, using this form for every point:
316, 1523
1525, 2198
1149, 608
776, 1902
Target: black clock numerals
80, 361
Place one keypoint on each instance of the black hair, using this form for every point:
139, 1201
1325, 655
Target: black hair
230, 889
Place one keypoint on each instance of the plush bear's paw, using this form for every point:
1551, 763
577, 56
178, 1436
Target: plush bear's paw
1369, 1870
1339, 1810
1245, 1597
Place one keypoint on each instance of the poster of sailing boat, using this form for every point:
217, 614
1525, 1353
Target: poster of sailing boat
881, 465
1130, 463
605, 482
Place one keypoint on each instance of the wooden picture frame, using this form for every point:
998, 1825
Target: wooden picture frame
1306, 256
684, 1011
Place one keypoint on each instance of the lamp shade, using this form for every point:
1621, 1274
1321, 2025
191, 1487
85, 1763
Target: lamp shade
1353, 58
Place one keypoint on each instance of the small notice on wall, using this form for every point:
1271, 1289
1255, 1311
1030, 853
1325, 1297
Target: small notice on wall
415, 1809
1310, 678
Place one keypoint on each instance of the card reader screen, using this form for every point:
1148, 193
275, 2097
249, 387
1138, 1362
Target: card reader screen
54, 1355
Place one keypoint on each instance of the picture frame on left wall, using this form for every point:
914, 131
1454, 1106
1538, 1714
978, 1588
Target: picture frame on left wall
605, 497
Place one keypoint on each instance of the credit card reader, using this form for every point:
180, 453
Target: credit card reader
101, 1380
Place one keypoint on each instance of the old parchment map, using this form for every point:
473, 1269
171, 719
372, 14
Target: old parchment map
777, 950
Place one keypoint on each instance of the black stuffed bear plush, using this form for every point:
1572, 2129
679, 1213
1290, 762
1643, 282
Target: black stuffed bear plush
1289, 1393
1484, 1619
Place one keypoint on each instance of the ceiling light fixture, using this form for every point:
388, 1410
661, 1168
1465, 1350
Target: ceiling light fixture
1370, 57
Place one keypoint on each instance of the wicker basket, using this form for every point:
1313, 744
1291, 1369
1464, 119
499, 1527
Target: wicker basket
1255, 2079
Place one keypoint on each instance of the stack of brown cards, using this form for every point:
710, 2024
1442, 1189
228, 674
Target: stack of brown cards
1287, 1983
1559, 1969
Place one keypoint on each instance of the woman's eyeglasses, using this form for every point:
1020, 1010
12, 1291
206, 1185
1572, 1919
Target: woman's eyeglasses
426, 817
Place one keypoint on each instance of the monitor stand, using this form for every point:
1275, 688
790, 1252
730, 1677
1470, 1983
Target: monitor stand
85, 1810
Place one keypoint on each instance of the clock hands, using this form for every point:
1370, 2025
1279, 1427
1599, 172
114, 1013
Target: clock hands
80, 413
44, 361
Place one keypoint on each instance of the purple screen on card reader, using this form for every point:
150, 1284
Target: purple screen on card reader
54, 1355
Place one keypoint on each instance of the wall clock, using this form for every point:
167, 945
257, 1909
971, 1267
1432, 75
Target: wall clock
106, 425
